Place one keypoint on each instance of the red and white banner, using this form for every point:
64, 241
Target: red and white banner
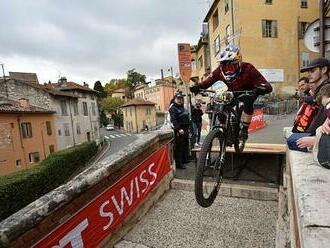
102, 215
257, 121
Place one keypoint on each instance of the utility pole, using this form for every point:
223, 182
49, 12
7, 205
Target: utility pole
4, 80
322, 43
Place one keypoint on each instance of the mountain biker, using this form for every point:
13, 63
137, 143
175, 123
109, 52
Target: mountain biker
238, 76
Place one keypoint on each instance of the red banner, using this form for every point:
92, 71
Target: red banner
257, 121
103, 214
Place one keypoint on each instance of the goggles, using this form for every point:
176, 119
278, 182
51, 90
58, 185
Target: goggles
229, 69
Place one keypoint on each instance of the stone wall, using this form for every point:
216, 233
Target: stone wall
36, 220
308, 200
17, 90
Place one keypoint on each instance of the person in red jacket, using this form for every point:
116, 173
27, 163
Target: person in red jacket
238, 76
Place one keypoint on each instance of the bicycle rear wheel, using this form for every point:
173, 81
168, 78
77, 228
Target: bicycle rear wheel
209, 169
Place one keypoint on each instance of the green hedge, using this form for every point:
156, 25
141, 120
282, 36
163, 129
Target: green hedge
19, 189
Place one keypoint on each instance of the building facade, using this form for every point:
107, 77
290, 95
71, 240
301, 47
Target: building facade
161, 94
27, 135
269, 34
75, 107
139, 115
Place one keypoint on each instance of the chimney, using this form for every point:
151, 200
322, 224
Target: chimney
62, 81
86, 84
24, 103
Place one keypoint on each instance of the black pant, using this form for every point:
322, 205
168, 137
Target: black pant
181, 147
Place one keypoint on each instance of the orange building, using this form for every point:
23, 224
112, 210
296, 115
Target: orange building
27, 135
161, 94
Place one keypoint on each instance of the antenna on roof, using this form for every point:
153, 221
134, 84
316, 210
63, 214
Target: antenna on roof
4, 79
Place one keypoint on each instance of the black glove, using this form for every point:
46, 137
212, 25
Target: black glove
260, 90
195, 89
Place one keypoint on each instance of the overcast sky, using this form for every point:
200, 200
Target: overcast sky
96, 40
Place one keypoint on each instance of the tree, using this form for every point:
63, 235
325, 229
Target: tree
102, 94
98, 87
112, 106
134, 78
114, 84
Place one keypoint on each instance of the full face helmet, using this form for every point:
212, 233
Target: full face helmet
230, 62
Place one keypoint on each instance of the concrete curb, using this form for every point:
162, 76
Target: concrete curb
233, 190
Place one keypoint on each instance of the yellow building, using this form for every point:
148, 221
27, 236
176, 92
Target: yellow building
139, 91
139, 114
269, 33
120, 93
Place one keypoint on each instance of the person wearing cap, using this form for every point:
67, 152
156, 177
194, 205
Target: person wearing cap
238, 76
318, 75
179, 117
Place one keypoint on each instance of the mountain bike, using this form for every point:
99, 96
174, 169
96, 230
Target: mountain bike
224, 132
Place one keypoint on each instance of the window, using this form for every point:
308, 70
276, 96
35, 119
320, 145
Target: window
93, 108
302, 26
49, 127
64, 109
268, 1
130, 111
34, 157
66, 129
269, 29
228, 31
305, 59
125, 112
193, 65
303, 4
51, 149
95, 128
85, 110
59, 132
26, 130
75, 108
215, 20
18, 163
200, 62
217, 45
148, 111
226, 6
78, 128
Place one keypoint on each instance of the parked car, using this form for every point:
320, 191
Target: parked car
109, 127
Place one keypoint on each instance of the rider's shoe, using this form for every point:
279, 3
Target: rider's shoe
243, 134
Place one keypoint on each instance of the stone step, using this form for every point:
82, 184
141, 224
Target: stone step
233, 190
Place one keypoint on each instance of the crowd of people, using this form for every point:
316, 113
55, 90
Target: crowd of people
311, 129
312, 123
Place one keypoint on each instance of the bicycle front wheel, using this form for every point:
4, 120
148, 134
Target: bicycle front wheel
209, 171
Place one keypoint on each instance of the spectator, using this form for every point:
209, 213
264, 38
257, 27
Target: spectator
318, 71
209, 109
180, 120
304, 89
196, 117
303, 86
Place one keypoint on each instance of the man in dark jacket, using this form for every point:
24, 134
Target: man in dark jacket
180, 120
318, 74
196, 118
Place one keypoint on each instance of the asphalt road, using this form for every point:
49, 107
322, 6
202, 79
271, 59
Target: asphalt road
117, 138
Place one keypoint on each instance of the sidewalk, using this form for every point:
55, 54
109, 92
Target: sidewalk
178, 221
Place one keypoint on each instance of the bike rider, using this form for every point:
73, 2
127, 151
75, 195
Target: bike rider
238, 76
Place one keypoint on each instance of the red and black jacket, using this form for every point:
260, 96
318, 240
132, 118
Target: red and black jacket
248, 79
